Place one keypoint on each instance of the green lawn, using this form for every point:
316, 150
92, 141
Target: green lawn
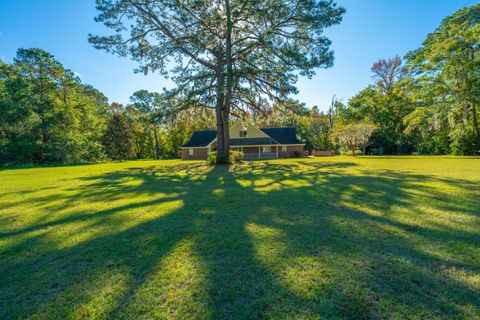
367, 237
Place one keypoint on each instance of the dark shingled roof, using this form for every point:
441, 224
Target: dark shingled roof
277, 136
252, 142
283, 135
201, 138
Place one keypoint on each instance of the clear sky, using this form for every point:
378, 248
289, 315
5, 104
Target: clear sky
371, 29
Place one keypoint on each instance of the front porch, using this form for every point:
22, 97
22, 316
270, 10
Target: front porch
252, 156
258, 152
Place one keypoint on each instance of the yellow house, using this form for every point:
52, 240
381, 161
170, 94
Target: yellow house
255, 143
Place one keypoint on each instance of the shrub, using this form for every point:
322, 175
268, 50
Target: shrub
211, 158
234, 157
297, 154
464, 142
348, 152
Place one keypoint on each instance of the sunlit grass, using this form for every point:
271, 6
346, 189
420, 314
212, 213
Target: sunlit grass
367, 237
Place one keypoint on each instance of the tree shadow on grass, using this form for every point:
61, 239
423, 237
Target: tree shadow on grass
257, 240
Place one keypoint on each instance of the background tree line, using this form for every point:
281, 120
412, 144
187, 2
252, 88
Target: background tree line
427, 102
48, 115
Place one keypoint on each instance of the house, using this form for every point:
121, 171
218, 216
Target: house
255, 143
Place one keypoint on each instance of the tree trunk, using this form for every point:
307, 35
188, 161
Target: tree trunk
475, 121
222, 117
138, 145
224, 91
151, 141
229, 80
157, 146
353, 150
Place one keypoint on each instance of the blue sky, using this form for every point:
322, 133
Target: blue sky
371, 29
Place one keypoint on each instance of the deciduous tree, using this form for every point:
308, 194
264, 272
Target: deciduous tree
385, 104
354, 135
46, 113
448, 65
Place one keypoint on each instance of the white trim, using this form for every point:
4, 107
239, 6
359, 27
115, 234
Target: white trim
252, 130
245, 146
253, 155
193, 147
265, 147
210, 144
254, 145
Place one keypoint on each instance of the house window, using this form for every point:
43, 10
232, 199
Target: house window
266, 149
190, 152
243, 133
284, 148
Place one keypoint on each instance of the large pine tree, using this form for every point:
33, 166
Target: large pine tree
224, 54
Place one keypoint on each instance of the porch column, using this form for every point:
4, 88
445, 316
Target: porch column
276, 148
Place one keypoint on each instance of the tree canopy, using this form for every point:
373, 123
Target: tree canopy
430, 103
239, 54
447, 70
46, 113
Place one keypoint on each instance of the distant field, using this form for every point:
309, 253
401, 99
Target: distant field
343, 237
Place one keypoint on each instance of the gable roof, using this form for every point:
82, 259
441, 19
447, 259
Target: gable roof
200, 138
252, 142
252, 131
287, 135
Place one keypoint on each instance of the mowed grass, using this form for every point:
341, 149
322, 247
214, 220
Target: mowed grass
353, 238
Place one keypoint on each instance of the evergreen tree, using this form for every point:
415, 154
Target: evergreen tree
117, 139
228, 55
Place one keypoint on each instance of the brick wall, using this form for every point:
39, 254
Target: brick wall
290, 153
198, 154
201, 153
250, 150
